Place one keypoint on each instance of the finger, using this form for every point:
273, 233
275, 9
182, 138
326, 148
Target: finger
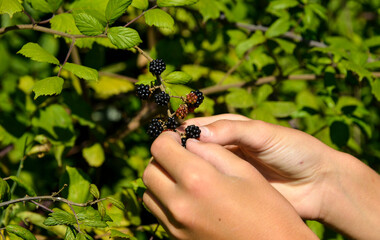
155, 207
258, 135
159, 182
221, 158
174, 158
207, 120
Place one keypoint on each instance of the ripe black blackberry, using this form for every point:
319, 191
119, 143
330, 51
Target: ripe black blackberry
162, 98
171, 123
157, 66
155, 128
143, 91
183, 141
192, 131
199, 99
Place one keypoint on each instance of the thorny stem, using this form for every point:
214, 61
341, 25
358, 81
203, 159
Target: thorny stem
142, 53
139, 16
2, 235
42, 206
75, 215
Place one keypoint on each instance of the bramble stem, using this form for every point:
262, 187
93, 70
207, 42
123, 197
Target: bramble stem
67, 56
139, 16
143, 53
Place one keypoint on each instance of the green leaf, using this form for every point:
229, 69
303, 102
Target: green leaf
176, 90
177, 77
94, 155
37, 220
94, 191
376, 88
263, 93
101, 209
362, 72
88, 24
5, 193
339, 133
280, 109
79, 185
124, 38
175, 3
80, 236
115, 9
208, 9
159, 18
48, 86
282, 4
285, 45
316, 227
110, 86
20, 232
279, 27
116, 203
372, 42
239, 98
70, 233
60, 217
140, 4
118, 234
46, 6
37, 53
21, 183
318, 9
256, 39
10, 7
80, 71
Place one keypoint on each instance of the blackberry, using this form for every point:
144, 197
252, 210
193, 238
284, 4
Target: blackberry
155, 128
182, 111
162, 99
199, 99
192, 131
194, 99
143, 91
171, 123
191, 98
157, 66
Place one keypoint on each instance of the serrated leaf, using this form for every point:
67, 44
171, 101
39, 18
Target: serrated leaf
279, 27
115, 9
48, 86
175, 3
94, 223
60, 217
159, 18
80, 236
208, 9
94, 191
37, 53
94, 155
21, 183
101, 209
20, 232
10, 7
287, 46
239, 98
256, 39
70, 233
88, 24
116, 203
177, 77
80, 71
124, 38
140, 4
356, 68
45, 6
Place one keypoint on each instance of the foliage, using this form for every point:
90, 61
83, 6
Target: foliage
69, 115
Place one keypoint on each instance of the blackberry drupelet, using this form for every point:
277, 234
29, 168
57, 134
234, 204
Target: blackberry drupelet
192, 131
162, 98
155, 128
157, 66
142, 91
171, 123
182, 111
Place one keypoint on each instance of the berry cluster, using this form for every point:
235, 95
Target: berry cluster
158, 125
162, 98
192, 101
143, 91
191, 131
157, 66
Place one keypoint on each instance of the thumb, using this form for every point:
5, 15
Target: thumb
255, 134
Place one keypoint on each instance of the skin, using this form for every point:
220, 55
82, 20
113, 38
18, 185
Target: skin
247, 179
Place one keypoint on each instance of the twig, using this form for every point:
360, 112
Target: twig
67, 56
290, 35
2, 235
42, 206
143, 53
75, 215
30, 17
51, 198
6, 150
154, 232
139, 16
46, 30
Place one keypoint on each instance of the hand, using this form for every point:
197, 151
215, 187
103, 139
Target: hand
295, 163
207, 192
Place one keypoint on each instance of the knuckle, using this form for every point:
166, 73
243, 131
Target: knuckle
180, 210
196, 183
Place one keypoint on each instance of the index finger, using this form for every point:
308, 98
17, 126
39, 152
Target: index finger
208, 120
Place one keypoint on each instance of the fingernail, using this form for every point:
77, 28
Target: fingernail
205, 132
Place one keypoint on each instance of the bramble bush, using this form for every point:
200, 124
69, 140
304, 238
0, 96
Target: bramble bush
73, 133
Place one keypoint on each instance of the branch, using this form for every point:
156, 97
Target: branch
290, 35
139, 16
143, 53
67, 56
51, 198
46, 30
263, 80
